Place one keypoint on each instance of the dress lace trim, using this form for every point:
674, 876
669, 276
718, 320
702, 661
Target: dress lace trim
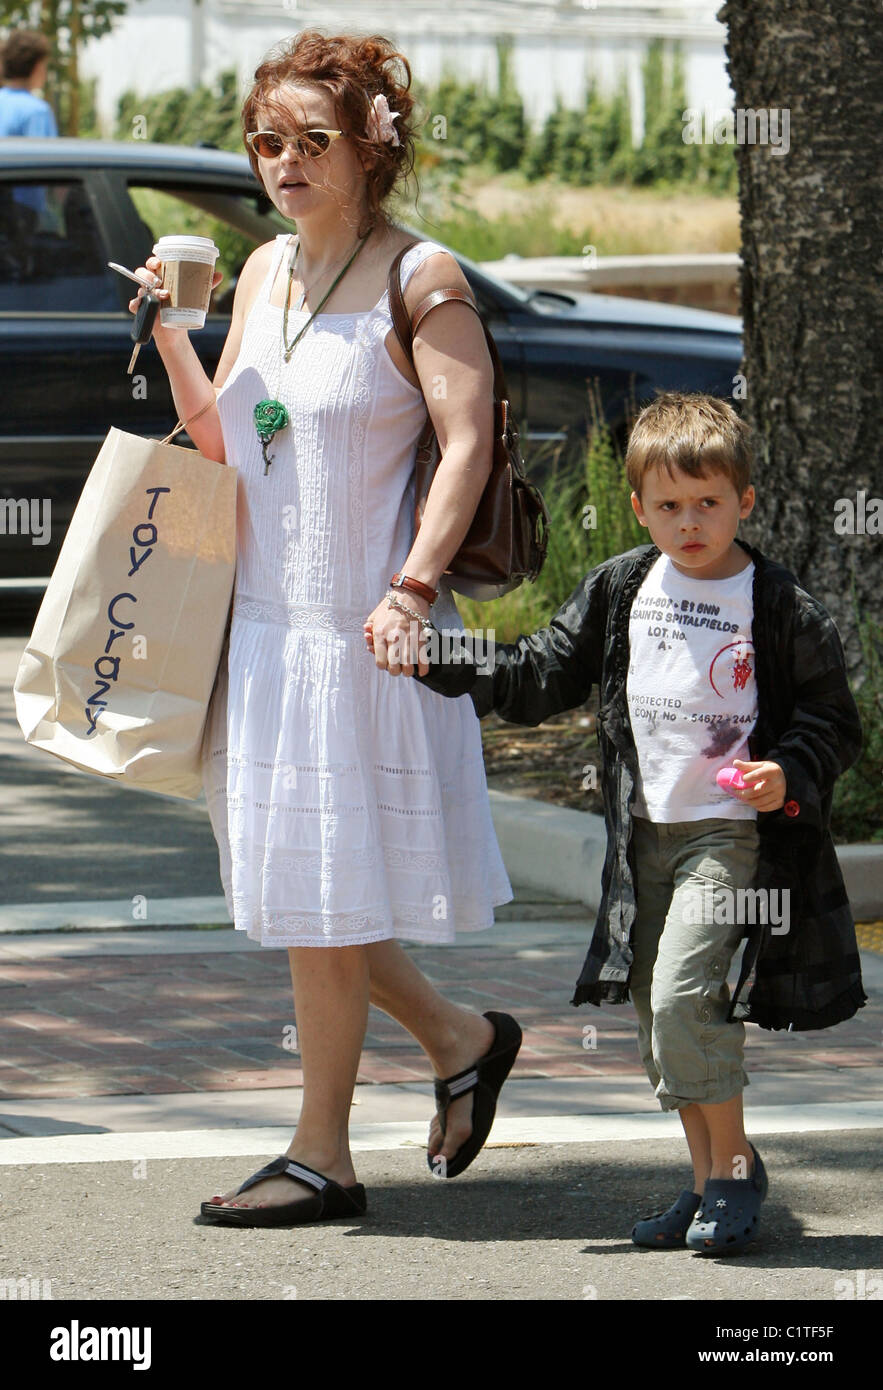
361, 928
324, 617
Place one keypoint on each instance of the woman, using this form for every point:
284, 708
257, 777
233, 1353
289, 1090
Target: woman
350, 810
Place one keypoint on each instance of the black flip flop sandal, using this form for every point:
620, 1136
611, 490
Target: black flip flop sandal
485, 1077
330, 1202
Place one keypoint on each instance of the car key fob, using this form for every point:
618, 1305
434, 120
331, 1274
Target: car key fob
142, 328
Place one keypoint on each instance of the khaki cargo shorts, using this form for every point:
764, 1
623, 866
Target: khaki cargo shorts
687, 874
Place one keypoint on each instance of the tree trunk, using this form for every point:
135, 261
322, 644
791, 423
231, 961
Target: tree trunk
48, 26
812, 292
73, 72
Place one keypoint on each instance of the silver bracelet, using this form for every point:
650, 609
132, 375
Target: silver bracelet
412, 612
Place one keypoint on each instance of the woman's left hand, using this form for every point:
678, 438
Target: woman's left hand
395, 638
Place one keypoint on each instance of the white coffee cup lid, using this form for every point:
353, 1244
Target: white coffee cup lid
195, 241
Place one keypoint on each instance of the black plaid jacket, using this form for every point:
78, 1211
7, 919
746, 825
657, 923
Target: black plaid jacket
809, 977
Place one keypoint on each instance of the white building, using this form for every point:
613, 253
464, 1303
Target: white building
556, 45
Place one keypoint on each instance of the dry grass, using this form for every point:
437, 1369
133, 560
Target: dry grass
616, 221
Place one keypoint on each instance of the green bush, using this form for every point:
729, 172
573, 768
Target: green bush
482, 126
181, 116
607, 134
591, 145
528, 233
662, 154
88, 127
716, 169
540, 145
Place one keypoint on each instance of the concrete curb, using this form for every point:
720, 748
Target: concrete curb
862, 869
561, 851
524, 1130
584, 274
550, 848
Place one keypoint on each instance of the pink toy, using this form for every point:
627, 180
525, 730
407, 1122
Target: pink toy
731, 780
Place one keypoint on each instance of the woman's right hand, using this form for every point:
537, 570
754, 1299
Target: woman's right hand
152, 271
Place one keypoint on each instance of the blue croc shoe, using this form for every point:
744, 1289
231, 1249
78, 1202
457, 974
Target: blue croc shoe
667, 1230
729, 1217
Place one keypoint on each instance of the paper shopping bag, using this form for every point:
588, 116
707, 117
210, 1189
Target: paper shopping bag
118, 672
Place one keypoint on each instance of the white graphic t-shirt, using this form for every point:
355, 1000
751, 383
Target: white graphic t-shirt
691, 691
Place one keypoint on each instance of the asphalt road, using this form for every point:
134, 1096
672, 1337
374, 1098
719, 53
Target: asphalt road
546, 1221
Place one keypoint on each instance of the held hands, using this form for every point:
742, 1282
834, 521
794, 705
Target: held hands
397, 640
766, 785
152, 270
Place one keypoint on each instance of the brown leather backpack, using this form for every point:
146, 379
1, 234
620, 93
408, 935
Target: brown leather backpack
509, 535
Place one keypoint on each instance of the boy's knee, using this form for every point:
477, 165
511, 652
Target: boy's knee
675, 1009
688, 1015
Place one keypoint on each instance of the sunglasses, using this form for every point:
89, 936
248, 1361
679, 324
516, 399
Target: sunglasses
310, 144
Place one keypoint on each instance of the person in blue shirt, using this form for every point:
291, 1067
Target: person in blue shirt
25, 67
25, 59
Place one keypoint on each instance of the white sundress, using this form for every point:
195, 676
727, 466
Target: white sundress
349, 806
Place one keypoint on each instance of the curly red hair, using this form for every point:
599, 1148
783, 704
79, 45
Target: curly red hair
354, 70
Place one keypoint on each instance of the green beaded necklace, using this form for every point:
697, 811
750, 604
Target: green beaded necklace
270, 416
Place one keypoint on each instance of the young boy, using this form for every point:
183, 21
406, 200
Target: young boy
707, 655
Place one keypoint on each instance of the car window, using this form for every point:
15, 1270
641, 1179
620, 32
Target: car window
51, 254
236, 223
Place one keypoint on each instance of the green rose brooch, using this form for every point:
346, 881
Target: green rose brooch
269, 418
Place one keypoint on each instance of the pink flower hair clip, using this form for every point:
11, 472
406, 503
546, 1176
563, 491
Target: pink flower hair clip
380, 121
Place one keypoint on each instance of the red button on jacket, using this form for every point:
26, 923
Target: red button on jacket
792, 808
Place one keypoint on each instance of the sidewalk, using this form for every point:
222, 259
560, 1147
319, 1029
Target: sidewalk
161, 1012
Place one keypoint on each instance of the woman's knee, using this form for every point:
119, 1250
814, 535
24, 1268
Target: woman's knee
338, 963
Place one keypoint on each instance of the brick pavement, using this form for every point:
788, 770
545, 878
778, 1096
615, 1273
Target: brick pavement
152, 1024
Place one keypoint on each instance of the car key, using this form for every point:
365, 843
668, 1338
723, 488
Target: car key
142, 328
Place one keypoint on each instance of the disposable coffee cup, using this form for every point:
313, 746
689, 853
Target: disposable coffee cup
188, 272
